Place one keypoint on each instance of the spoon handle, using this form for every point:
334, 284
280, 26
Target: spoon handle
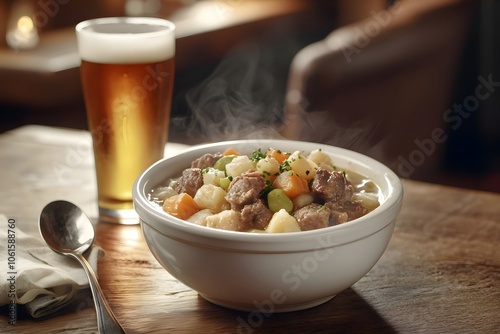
106, 320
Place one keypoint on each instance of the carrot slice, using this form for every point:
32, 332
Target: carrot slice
278, 155
181, 206
231, 151
291, 184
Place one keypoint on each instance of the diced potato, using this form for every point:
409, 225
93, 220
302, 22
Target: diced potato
239, 165
302, 200
369, 200
282, 222
213, 176
269, 167
226, 220
301, 165
211, 197
321, 159
200, 217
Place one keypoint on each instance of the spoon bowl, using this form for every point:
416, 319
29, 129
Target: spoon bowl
65, 228
68, 231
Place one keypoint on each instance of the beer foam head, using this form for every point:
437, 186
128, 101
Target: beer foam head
126, 40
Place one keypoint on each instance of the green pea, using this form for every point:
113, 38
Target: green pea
222, 162
277, 200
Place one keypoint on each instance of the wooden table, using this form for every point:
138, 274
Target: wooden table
440, 273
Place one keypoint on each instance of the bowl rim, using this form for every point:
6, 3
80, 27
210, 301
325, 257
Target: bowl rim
387, 211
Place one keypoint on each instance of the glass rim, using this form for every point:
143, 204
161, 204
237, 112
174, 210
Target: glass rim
80, 28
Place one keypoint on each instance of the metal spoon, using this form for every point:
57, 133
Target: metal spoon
68, 231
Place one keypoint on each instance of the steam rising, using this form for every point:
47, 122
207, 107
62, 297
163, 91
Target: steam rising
362, 134
243, 98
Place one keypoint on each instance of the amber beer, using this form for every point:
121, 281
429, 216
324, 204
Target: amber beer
127, 73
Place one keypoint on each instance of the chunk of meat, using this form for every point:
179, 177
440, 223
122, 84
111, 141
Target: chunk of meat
190, 181
256, 215
355, 209
347, 211
312, 217
206, 160
338, 217
245, 189
331, 186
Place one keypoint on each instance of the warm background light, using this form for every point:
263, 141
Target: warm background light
25, 24
22, 33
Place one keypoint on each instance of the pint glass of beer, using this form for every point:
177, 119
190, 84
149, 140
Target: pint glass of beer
127, 75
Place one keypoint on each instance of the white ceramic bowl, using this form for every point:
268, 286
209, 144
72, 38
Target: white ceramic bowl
268, 272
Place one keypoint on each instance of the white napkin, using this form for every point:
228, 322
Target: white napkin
38, 278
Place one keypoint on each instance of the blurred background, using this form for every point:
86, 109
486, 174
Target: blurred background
233, 62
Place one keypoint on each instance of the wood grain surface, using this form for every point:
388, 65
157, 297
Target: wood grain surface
439, 274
